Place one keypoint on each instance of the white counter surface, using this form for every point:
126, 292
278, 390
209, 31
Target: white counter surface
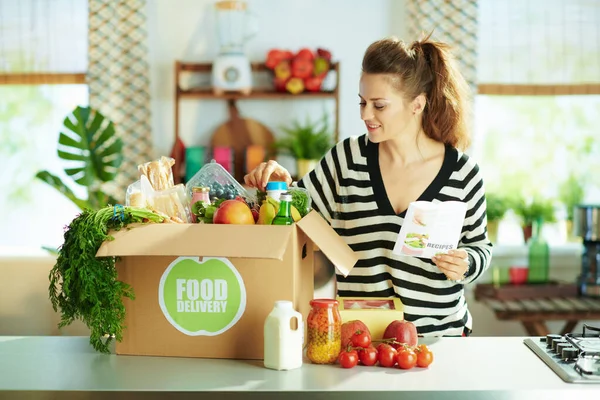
464, 368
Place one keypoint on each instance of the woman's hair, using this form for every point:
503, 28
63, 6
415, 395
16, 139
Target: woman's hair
426, 67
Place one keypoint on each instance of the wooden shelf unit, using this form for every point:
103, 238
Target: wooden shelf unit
257, 94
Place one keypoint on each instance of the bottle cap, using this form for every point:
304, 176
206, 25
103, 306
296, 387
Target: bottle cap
277, 186
283, 304
285, 197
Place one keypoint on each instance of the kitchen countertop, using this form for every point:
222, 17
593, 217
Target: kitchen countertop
464, 368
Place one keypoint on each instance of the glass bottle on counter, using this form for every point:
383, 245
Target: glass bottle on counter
284, 215
283, 344
539, 255
324, 331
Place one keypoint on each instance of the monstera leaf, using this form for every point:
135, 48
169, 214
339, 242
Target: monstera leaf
93, 145
93, 153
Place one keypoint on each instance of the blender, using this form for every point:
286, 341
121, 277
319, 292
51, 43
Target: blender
231, 70
587, 225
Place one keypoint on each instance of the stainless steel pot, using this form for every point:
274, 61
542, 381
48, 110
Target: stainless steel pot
586, 222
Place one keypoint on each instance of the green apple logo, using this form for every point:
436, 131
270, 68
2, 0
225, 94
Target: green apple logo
202, 298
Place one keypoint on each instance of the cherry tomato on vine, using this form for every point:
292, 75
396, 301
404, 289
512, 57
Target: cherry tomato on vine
348, 359
386, 355
424, 356
361, 339
368, 356
406, 358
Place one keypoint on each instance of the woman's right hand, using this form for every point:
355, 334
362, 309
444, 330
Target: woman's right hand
265, 172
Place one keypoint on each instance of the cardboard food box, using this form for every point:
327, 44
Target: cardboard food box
204, 290
376, 312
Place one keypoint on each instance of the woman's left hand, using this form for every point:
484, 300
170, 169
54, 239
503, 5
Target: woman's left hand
454, 265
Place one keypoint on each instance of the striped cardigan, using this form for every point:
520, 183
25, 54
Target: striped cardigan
347, 189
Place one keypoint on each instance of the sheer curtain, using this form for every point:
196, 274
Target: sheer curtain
118, 78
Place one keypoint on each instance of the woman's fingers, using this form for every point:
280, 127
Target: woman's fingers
252, 179
270, 167
454, 265
260, 176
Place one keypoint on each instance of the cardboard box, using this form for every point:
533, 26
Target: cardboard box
205, 290
376, 312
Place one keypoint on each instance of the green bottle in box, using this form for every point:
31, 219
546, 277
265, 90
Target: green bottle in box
539, 255
284, 215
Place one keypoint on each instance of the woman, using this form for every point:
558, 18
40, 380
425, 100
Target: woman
413, 102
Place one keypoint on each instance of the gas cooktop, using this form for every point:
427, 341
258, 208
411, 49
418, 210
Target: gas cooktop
573, 357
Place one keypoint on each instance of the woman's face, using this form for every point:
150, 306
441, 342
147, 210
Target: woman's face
386, 113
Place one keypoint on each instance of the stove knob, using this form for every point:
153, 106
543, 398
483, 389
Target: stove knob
569, 353
555, 344
561, 346
550, 338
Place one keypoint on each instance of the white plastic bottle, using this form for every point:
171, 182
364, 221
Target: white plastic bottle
283, 345
275, 188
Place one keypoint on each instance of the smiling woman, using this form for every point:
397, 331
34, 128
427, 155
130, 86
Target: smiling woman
411, 104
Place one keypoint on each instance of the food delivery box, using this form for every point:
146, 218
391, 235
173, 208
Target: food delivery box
205, 290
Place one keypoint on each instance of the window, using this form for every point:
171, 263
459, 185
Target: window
43, 58
538, 103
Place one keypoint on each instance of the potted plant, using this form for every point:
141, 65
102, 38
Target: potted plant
307, 143
571, 194
496, 208
536, 209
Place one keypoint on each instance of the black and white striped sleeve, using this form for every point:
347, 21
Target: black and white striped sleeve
474, 232
322, 186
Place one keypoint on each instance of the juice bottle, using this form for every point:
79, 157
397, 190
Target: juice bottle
284, 216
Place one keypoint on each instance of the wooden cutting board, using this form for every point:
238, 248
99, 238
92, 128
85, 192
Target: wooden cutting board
239, 133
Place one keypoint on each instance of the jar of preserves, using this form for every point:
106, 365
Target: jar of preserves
324, 329
199, 193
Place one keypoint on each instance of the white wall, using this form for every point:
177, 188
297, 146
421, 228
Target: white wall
185, 30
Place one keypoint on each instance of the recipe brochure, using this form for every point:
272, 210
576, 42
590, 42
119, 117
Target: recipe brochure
430, 228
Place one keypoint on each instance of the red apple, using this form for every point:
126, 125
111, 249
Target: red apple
302, 68
305, 53
349, 328
233, 212
280, 84
275, 56
313, 84
402, 331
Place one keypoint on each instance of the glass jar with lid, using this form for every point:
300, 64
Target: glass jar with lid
324, 331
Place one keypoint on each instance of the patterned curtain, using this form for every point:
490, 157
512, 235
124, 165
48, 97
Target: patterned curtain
453, 22
118, 78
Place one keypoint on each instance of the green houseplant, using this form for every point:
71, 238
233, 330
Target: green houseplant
307, 142
92, 154
536, 209
496, 208
571, 194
